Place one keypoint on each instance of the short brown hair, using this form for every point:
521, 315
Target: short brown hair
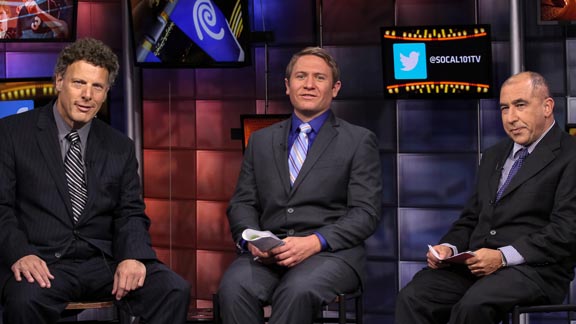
319, 52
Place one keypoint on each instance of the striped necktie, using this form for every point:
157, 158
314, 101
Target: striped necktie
298, 151
522, 154
75, 175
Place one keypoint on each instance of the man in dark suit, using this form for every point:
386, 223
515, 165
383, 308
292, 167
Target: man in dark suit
324, 217
59, 244
520, 222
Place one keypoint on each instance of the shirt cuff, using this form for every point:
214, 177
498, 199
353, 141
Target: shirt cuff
454, 248
512, 256
323, 242
241, 246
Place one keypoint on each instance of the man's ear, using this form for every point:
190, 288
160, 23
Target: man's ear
548, 106
59, 80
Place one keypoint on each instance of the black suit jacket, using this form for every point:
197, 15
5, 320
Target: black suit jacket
536, 214
35, 209
336, 194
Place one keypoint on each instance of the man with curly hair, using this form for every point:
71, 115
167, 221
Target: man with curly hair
72, 221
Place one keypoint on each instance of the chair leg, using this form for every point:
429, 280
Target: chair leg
516, 315
359, 309
341, 309
216, 309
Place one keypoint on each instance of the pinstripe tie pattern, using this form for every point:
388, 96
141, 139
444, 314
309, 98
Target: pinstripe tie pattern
522, 154
298, 151
75, 175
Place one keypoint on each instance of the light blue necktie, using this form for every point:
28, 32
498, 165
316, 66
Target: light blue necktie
522, 154
298, 151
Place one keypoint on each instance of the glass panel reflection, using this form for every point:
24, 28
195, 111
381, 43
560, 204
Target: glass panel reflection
420, 227
427, 180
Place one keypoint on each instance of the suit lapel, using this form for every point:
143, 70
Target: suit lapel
95, 160
497, 175
542, 155
280, 151
47, 137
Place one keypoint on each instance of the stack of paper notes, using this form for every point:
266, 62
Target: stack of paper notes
263, 240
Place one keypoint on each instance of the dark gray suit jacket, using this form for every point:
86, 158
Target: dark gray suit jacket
536, 214
35, 210
336, 194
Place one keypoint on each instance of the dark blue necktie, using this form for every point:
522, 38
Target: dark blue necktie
522, 154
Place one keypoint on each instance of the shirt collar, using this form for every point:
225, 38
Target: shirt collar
517, 147
315, 123
64, 129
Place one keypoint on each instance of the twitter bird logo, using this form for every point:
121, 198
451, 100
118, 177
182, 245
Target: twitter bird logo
411, 66
409, 62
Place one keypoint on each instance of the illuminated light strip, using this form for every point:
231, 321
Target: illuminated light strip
436, 39
417, 84
26, 91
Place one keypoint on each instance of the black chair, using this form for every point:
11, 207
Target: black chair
340, 300
518, 310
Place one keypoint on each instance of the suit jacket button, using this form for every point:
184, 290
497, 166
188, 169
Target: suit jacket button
57, 255
493, 232
291, 232
290, 210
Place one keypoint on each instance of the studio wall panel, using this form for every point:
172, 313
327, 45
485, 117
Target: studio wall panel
168, 84
169, 123
436, 180
279, 16
377, 115
271, 71
216, 118
360, 71
217, 172
425, 12
381, 288
418, 227
209, 270
213, 230
218, 84
437, 126
363, 19
172, 222
169, 174
382, 245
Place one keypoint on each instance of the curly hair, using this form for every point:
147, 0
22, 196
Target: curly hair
92, 51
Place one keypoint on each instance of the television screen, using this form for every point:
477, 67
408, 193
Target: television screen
38, 20
252, 122
12, 107
426, 62
190, 33
20, 95
556, 12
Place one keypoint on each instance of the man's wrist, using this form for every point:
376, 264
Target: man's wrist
504, 262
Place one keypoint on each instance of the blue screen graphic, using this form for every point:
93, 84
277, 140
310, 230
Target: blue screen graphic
410, 61
12, 107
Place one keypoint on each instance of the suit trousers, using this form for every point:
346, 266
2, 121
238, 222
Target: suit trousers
296, 294
163, 299
453, 295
